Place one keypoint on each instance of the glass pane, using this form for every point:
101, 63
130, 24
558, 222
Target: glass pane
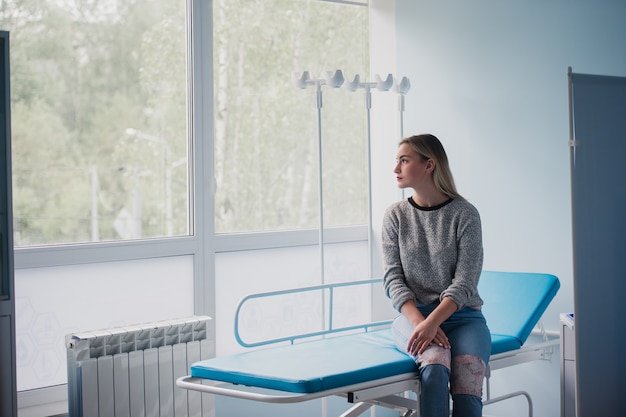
266, 129
99, 109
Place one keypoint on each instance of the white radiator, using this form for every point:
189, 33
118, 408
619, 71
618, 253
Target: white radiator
131, 371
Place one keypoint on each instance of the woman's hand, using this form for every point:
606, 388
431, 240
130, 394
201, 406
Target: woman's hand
425, 334
426, 331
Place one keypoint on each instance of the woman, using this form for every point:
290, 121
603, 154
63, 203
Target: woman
432, 247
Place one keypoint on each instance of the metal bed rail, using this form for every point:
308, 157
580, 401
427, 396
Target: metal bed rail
327, 292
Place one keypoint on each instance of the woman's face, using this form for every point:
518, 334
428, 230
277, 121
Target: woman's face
411, 170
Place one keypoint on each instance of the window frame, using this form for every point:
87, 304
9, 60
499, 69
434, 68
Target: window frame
200, 62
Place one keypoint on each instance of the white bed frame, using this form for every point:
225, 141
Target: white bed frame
393, 392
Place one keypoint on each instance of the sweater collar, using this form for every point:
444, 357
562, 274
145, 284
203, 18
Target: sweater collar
437, 207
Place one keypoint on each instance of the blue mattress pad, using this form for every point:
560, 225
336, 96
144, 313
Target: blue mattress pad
311, 366
320, 365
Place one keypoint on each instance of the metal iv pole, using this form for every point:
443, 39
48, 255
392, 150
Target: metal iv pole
333, 80
367, 86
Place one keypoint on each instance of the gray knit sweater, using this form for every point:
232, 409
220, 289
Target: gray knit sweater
431, 253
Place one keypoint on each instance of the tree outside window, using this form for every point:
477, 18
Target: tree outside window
85, 74
100, 109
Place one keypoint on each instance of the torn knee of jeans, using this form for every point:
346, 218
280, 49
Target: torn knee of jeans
435, 355
467, 375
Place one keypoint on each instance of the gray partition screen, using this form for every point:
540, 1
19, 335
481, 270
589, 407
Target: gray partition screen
8, 398
598, 174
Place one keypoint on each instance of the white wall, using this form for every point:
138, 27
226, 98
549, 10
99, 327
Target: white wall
489, 78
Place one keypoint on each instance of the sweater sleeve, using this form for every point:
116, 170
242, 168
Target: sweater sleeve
393, 281
464, 286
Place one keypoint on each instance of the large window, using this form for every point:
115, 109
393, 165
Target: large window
99, 119
266, 130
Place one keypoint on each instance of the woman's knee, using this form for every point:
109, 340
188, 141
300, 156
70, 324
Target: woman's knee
467, 375
435, 355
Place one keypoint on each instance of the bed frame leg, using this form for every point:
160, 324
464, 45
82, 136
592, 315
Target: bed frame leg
408, 407
357, 410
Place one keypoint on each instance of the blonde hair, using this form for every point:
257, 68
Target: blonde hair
429, 147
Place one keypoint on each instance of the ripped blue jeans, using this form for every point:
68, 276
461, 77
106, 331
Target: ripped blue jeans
462, 367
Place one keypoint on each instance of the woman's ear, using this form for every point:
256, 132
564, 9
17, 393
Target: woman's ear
430, 165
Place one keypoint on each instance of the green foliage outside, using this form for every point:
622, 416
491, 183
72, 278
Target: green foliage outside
99, 117
266, 129
82, 74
